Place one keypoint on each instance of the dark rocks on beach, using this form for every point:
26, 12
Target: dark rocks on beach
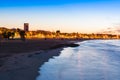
64, 45
72, 45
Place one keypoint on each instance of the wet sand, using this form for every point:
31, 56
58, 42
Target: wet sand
21, 60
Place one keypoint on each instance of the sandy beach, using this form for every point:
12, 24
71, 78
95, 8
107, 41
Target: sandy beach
21, 60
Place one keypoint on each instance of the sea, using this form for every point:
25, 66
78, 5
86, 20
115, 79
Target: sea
92, 60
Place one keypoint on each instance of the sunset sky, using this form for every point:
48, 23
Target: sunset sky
64, 15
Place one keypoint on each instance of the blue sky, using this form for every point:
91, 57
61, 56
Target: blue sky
65, 15
15, 3
23, 3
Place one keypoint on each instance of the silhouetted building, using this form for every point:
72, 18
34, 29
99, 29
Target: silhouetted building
26, 26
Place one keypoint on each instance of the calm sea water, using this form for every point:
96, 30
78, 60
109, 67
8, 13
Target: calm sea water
92, 60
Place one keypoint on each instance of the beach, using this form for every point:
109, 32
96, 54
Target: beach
21, 60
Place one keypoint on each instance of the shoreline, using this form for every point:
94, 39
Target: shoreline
25, 66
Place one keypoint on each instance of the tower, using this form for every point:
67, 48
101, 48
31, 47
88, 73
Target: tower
26, 26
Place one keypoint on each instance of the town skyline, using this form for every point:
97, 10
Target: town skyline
83, 16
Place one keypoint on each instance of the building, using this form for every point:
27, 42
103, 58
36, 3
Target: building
26, 26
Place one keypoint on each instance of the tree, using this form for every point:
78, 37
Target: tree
12, 35
58, 33
9, 35
22, 35
6, 34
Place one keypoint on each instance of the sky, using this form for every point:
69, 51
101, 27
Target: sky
83, 16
